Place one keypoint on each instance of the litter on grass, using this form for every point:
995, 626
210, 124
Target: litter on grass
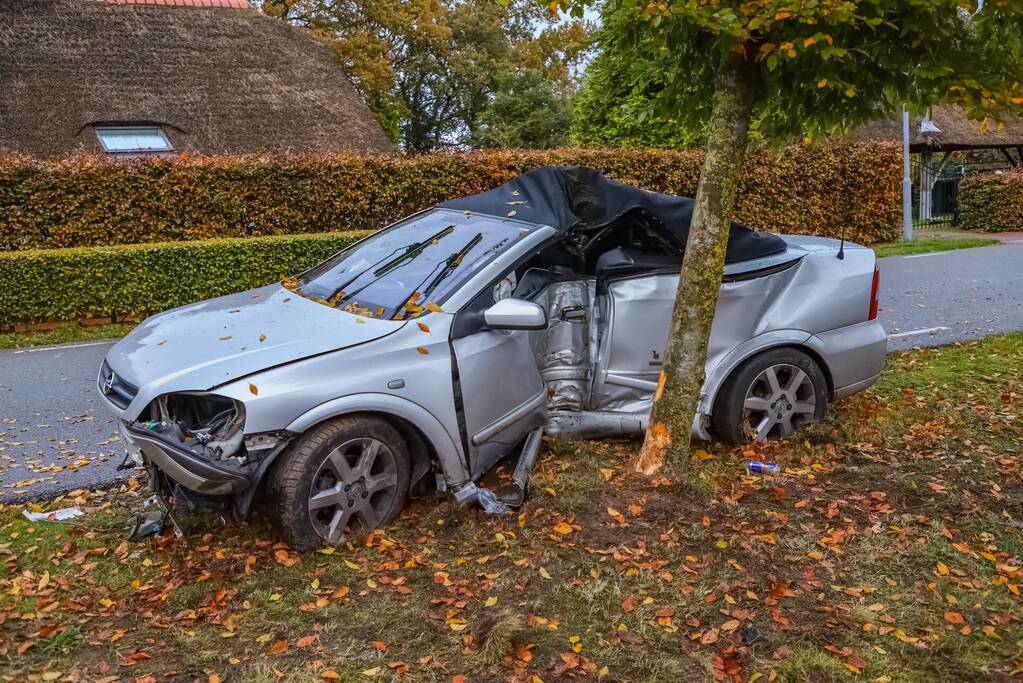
61, 515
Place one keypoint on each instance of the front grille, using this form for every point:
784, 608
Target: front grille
117, 391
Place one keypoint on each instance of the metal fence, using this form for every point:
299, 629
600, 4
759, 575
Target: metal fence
945, 171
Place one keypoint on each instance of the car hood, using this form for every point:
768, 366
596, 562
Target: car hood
204, 345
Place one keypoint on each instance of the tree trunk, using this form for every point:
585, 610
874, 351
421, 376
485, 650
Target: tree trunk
682, 375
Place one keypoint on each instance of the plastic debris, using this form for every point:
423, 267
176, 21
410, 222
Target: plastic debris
61, 515
751, 635
490, 503
146, 524
755, 467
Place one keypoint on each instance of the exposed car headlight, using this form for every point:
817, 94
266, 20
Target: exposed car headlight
208, 425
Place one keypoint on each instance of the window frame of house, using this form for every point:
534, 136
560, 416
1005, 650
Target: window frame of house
154, 131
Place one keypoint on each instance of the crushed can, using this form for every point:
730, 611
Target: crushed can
754, 467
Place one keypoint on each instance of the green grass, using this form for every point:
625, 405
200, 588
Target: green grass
67, 332
882, 554
930, 244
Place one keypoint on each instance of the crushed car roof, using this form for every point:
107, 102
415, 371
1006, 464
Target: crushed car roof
582, 199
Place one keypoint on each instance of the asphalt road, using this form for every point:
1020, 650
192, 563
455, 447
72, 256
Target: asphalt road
56, 437
944, 297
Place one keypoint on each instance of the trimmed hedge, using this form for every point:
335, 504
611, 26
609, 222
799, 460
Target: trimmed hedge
132, 280
992, 203
89, 201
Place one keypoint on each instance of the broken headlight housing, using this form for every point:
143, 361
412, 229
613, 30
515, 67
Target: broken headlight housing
207, 425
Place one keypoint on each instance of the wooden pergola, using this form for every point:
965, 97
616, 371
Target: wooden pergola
948, 129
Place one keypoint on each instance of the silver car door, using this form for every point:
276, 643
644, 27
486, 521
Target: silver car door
498, 389
635, 314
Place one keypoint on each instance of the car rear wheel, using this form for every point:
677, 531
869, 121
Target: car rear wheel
346, 477
769, 397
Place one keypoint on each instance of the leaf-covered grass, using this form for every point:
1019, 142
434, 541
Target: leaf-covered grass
930, 244
888, 550
65, 333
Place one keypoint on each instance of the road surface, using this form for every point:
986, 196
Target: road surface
55, 435
944, 297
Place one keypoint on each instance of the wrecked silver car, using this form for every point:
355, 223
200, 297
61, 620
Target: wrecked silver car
425, 353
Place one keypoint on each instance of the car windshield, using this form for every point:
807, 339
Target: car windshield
409, 267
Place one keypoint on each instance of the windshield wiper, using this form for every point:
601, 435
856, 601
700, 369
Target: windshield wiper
411, 251
450, 264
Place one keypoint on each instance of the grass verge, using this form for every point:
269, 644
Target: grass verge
889, 550
66, 333
930, 244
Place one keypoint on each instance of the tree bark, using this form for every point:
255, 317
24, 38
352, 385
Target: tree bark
682, 374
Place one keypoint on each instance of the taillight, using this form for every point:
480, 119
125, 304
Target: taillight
875, 288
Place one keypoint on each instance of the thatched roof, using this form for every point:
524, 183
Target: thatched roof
958, 131
217, 75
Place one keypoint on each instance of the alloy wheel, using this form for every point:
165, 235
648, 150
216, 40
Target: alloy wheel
779, 400
357, 481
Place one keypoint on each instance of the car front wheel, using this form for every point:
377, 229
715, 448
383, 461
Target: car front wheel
769, 397
345, 477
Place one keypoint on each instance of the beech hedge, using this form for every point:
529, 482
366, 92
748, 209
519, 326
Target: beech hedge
134, 280
96, 201
992, 203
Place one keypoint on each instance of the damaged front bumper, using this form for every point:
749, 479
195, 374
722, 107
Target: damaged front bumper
184, 467
173, 465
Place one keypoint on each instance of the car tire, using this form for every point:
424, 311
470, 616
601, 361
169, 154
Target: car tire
758, 401
345, 476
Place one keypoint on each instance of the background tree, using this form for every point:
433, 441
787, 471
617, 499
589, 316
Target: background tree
527, 111
798, 67
429, 68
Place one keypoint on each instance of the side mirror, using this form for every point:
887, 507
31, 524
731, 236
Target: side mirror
515, 314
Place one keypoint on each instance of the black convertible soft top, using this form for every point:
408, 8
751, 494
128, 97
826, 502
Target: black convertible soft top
582, 199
